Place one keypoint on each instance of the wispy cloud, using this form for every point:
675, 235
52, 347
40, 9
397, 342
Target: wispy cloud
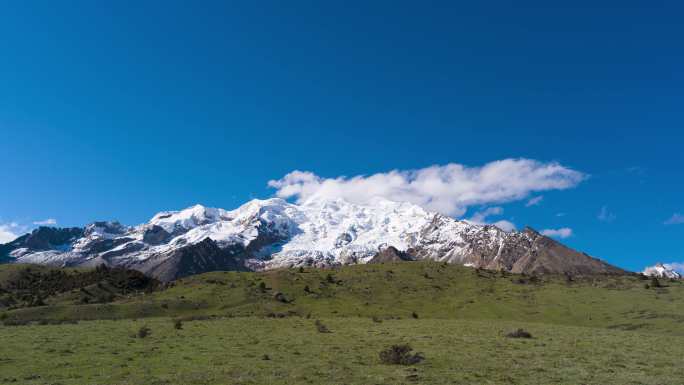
448, 189
481, 218
482, 215
638, 170
605, 216
46, 222
562, 233
534, 201
561, 214
675, 219
676, 266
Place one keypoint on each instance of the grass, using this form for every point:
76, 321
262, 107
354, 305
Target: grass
599, 330
231, 351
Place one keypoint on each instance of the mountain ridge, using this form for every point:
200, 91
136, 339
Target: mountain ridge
273, 233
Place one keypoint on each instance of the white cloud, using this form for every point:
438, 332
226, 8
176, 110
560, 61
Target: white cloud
505, 225
676, 266
9, 232
561, 214
675, 219
46, 222
449, 189
534, 201
605, 216
480, 218
562, 233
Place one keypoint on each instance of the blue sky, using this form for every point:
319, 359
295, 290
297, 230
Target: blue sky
122, 110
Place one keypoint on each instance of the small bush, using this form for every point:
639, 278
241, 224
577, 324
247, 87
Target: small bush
321, 328
520, 333
262, 287
400, 355
144, 331
307, 289
280, 297
177, 324
655, 282
376, 319
414, 315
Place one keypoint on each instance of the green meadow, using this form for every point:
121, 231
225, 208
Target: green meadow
261, 328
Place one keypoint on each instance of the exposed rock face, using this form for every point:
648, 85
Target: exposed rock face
155, 235
391, 254
272, 233
193, 259
43, 238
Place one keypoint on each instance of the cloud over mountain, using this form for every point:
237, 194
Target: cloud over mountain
562, 233
46, 222
449, 189
8, 232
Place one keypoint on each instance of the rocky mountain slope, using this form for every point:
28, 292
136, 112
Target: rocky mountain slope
272, 233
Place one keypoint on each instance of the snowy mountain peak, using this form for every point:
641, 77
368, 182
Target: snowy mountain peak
272, 233
188, 218
661, 270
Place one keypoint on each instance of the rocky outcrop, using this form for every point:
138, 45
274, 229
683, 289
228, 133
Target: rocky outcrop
391, 254
192, 259
43, 238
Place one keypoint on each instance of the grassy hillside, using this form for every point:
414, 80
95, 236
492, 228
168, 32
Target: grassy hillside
260, 328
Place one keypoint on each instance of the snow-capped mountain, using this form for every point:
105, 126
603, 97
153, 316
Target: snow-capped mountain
661, 271
272, 233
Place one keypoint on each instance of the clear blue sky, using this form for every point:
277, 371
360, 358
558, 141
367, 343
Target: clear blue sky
118, 111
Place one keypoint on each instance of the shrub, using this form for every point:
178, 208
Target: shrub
520, 333
144, 331
376, 319
262, 287
400, 355
307, 289
655, 282
280, 297
177, 324
321, 328
414, 315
